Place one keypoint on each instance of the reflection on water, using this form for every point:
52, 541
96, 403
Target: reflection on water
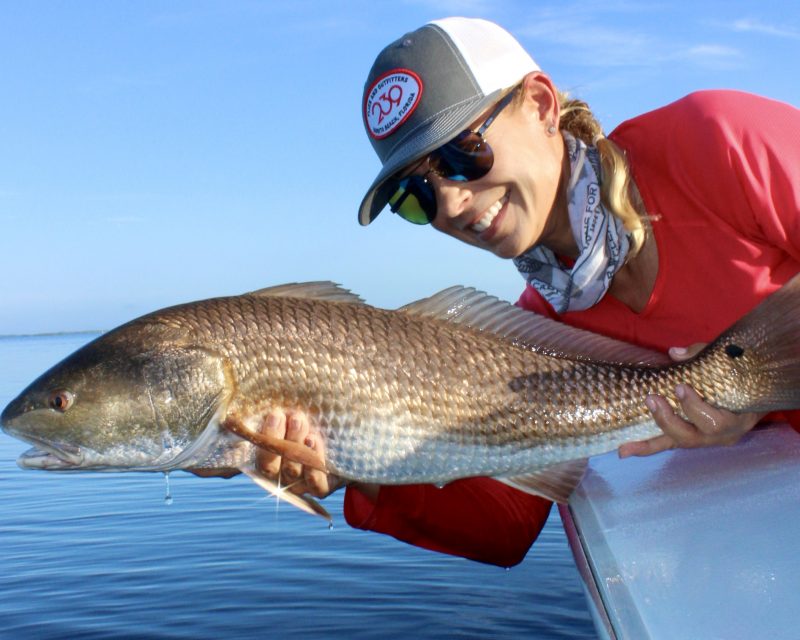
105, 555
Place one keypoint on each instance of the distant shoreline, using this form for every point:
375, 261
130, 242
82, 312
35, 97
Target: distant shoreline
52, 334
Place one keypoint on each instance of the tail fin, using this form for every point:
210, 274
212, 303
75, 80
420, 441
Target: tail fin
765, 346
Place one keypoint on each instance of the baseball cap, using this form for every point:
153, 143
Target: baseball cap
428, 86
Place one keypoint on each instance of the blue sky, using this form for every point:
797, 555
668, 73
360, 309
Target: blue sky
157, 152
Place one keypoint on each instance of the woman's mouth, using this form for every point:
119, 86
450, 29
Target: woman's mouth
485, 221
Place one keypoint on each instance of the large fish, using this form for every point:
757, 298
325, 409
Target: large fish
456, 385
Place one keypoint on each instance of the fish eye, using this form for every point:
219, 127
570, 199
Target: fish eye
60, 400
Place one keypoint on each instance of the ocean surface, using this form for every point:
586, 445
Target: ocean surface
94, 555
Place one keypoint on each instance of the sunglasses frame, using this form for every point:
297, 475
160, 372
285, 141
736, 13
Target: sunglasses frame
419, 186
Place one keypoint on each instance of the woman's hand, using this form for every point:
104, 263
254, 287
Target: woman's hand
706, 426
286, 473
295, 427
298, 479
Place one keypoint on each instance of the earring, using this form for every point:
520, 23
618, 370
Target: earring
551, 130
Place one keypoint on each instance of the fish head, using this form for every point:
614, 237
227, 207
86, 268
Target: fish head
120, 402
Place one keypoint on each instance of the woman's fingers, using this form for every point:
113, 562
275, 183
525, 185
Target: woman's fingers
646, 447
318, 483
274, 424
297, 478
713, 426
679, 354
701, 425
296, 431
678, 430
704, 423
674, 428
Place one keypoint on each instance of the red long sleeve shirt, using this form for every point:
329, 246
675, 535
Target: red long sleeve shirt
719, 173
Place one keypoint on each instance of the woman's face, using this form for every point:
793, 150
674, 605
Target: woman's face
516, 204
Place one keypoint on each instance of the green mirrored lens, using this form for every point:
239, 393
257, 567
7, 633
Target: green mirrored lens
412, 212
414, 200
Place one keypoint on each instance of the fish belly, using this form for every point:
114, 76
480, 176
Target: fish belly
434, 460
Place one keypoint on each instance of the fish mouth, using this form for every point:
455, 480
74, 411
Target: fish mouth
50, 455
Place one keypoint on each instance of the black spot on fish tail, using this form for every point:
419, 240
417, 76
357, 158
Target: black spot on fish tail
734, 350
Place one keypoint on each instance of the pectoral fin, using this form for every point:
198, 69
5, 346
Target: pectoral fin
304, 503
555, 483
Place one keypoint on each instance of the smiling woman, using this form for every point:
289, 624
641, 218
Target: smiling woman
610, 234
146, 161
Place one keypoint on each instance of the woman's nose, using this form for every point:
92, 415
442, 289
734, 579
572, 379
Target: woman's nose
452, 196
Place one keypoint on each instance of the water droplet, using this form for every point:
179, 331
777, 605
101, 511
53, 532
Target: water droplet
330, 526
167, 494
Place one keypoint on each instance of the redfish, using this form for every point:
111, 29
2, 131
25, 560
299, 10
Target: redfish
456, 385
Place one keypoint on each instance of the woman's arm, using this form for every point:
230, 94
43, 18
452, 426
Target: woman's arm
476, 518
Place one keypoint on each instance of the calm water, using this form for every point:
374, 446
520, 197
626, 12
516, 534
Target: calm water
104, 556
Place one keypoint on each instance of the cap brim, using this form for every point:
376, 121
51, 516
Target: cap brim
446, 127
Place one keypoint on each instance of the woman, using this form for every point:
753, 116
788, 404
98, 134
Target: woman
661, 234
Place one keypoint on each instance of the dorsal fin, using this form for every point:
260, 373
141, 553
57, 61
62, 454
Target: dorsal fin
478, 310
320, 290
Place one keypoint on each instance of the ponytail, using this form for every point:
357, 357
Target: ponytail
618, 193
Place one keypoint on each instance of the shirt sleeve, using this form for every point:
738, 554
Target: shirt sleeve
477, 518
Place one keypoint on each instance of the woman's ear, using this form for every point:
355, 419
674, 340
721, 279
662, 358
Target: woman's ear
541, 97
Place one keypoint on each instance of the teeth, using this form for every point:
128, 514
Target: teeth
491, 213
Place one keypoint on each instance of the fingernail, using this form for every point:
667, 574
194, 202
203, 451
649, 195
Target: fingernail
271, 421
651, 404
680, 391
293, 424
309, 442
290, 474
678, 351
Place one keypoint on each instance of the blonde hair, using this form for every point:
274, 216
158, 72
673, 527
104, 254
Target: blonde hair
618, 192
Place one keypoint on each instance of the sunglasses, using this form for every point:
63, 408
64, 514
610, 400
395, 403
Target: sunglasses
465, 158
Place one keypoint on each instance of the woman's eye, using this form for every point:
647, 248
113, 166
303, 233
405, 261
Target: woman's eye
61, 400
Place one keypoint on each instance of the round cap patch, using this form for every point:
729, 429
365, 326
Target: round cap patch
390, 101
